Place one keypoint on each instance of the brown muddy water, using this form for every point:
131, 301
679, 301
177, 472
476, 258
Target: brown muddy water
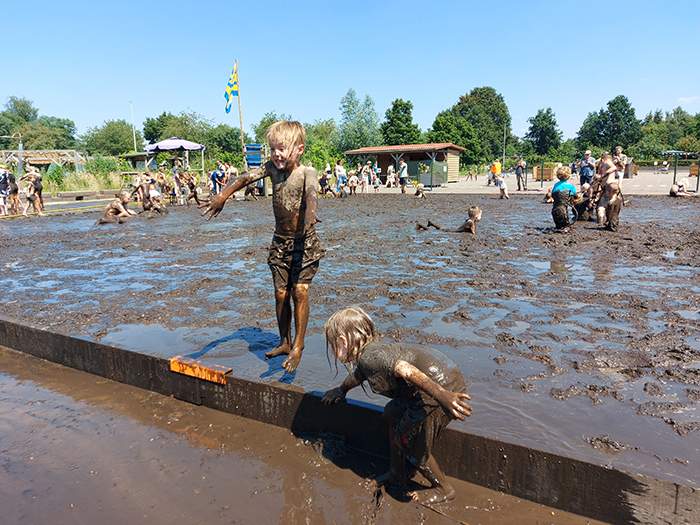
76, 448
585, 345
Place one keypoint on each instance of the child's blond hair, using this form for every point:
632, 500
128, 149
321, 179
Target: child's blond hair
355, 325
564, 173
289, 133
474, 211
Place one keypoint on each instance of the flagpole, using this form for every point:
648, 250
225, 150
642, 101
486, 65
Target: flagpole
240, 117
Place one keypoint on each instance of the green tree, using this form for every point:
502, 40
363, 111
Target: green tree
21, 110
689, 144
153, 127
676, 122
321, 140
398, 128
487, 113
226, 139
65, 131
693, 128
620, 125
359, 125
40, 137
543, 132
448, 127
268, 119
189, 126
616, 125
114, 137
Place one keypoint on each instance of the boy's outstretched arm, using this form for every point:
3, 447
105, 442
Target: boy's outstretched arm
216, 204
338, 393
453, 402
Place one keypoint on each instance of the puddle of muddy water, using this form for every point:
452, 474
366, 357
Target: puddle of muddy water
557, 334
77, 448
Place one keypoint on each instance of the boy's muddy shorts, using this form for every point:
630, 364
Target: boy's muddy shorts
294, 260
417, 427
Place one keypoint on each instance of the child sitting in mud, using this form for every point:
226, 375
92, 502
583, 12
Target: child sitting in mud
420, 191
680, 189
426, 388
562, 192
116, 210
295, 251
469, 226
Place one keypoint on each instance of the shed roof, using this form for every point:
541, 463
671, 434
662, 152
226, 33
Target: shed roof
374, 150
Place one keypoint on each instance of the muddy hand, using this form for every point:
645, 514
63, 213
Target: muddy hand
333, 396
213, 207
456, 405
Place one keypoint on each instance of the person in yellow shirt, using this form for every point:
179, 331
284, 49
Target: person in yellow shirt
495, 170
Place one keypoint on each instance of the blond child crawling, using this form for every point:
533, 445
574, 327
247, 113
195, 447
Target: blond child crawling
426, 388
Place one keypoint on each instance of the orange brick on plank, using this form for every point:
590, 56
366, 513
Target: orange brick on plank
199, 369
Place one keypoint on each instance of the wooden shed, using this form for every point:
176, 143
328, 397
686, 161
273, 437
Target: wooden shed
441, 160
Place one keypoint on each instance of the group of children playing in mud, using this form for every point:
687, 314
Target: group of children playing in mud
600, 200
10, 191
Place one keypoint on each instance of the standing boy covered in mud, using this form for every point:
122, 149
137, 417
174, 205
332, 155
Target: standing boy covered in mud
295, 251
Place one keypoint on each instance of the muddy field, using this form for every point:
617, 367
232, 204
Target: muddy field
584, 344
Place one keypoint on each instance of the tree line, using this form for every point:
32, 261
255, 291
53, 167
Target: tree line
479, 121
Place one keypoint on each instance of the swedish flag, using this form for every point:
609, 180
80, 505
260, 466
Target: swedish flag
231, 87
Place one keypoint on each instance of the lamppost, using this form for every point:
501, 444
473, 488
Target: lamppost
133, 129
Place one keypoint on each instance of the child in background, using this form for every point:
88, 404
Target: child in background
608, 216
469, 226
562, 192
353, 181
426, 388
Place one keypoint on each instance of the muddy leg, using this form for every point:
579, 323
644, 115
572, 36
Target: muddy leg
300, 295
440, 491
434, 225
284, 324
420, 227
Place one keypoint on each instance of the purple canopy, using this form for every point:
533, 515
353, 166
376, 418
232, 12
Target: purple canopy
174, 143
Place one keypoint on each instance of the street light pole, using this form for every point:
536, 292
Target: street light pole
133, 129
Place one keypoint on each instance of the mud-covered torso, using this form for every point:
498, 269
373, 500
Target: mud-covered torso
290, 195
378, 362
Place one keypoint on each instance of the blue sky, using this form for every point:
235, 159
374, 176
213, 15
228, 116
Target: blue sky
86, 60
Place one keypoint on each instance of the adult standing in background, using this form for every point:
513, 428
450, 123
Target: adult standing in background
341, 175
403, 175
586, 168
520, 173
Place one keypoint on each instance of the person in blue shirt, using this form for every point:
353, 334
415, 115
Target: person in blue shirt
562, 193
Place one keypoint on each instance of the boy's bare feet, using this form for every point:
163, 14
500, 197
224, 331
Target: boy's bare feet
294, 356
438, 494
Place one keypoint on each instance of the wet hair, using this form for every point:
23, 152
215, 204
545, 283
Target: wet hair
355, 325
613, 187
289, 133
564, 173
474, 211
124, 192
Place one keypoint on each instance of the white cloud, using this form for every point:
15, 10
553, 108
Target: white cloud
688, 100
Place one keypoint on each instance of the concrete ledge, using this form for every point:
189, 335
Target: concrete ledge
583, 488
